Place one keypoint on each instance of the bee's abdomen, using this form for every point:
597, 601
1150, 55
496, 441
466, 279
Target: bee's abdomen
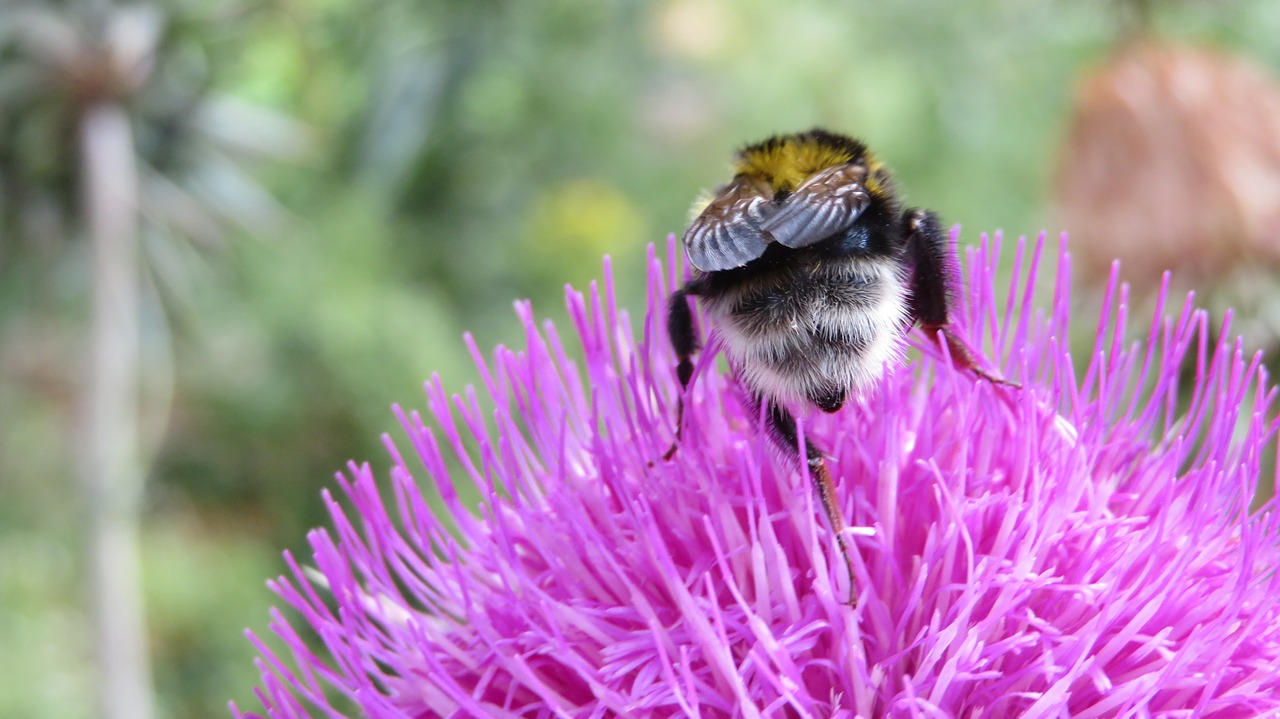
820, 299
814, 331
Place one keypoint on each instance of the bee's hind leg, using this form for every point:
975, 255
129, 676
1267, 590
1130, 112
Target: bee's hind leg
931, 289
781, 425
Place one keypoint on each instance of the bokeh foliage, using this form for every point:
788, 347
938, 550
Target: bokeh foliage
460, 155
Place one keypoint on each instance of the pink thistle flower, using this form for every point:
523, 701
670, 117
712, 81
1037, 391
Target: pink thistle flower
1081, 547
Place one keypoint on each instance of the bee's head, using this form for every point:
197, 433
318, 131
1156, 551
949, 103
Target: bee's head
785, 161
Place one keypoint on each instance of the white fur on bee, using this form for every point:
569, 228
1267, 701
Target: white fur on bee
795, 353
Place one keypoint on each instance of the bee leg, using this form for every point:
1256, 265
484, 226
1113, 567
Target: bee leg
684, 340
782, 430
930, 289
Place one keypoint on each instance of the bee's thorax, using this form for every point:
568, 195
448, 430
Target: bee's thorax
787, 161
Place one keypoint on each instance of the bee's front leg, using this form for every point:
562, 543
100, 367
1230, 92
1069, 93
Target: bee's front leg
684, 340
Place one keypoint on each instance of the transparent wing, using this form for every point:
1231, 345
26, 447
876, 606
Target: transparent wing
822, 206
727, 233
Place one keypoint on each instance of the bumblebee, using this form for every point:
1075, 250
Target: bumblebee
811, 272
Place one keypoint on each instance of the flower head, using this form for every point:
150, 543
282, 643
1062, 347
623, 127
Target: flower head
1172, 158
1082, 546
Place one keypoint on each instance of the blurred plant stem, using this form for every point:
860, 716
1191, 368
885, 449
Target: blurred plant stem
1139, 18
112, 471
108, 116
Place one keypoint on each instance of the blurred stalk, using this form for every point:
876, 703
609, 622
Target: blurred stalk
1140, 17
111, 467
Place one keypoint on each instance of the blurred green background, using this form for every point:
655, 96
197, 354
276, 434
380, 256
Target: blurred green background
333, 191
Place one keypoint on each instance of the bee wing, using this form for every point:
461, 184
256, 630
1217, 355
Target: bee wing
727, 233
823, 205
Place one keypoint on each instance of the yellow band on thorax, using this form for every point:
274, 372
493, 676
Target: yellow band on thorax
787, 164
